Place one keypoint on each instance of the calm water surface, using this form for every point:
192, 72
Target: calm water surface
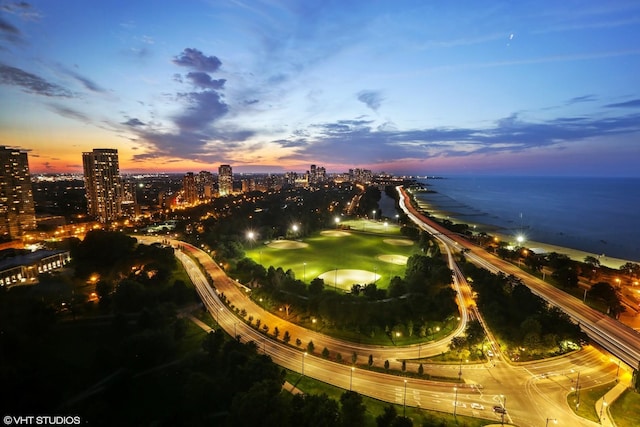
599, 215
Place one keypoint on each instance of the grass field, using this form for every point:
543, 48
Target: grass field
624, 407
380, 252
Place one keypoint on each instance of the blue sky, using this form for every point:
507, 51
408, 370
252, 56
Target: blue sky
415, 87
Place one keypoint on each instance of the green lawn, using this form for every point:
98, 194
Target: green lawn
626, 409
588, 398
325, 253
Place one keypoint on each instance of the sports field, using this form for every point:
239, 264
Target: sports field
342, 257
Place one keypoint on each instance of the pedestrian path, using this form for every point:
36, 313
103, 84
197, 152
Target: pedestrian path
602, 404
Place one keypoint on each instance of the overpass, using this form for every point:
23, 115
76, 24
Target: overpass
620, 340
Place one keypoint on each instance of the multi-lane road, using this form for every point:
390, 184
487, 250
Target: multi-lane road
619, 339
531, 393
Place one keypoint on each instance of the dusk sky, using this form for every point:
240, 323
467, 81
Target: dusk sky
407, 87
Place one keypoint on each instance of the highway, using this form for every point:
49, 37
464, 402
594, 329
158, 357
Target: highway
530, 392
617, 338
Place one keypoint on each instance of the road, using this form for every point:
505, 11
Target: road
617, 338
528, 395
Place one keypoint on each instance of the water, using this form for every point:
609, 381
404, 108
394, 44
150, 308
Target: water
598, 215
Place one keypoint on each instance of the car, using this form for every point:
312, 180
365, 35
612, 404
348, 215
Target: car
499, 409
477, 406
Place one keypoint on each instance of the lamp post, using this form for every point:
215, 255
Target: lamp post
304, 271
617, 370
504, 408
604, 403
351, 379
303, 356
578, 391
460, 370
404, 401
555, 421
455, 402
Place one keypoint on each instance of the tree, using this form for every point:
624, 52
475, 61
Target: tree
386, 418
404, 365
276, 332
420, 370
325, 353
287, 337
402, 422
353, 409
310, 347
354, 358
607, 293
370, 360
386, 365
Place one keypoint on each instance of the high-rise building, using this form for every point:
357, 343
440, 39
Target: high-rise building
189, 190
103, 184
17, 211
204, 184
225, 180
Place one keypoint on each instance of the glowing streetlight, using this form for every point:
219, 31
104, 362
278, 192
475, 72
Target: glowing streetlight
520, 239
337, 221
404, 404
303, 356
604, 404
455, 401
351, 378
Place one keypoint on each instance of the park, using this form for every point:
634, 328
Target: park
360, 252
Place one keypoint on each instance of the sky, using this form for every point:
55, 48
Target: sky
405, 87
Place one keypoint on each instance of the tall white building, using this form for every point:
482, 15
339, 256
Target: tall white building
103, 184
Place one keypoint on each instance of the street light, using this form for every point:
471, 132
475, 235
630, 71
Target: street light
504, 407
460, 370
455, 402
618, 369
304, 272
374, 214
303, 356
604, 403
351, 379
337, 221
555, 421
404, 404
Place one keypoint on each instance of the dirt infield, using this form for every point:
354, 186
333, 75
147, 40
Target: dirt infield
335, 233
394, 259
346, 278
398, 242
287, 244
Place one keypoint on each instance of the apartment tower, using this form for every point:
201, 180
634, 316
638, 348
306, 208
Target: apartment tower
103, 184
17, 210
225, 180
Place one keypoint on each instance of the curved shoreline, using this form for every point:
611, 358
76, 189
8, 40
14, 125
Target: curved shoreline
494, 230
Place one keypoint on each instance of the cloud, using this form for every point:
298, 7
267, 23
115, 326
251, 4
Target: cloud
372, 99
580, 99
22, 9
86, 82
31, 83
204, 80
359, 142
203, 109
133, 122
634, 103
9, 32
193, 58
69, 113
285, 143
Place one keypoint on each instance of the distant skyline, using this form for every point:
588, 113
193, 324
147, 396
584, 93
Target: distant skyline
406, 87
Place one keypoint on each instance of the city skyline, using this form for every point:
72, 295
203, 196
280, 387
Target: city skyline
409, 88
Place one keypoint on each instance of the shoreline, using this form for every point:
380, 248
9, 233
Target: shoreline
542, 247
